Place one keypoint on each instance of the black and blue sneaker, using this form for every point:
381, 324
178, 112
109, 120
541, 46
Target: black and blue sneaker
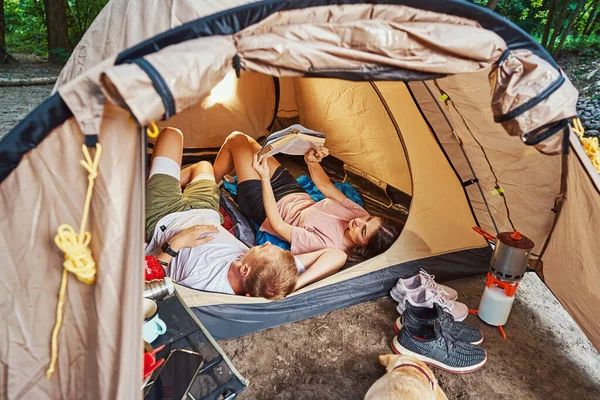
434, 346
417, 316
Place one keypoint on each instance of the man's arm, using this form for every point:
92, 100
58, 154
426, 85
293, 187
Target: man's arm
320, 264
317, 174
188, 238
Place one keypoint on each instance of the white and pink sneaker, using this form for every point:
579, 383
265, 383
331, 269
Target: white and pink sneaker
428, 296
417, 283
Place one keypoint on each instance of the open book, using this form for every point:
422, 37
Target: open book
295, 140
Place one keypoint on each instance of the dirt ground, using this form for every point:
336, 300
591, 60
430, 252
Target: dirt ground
334, 356
17, 102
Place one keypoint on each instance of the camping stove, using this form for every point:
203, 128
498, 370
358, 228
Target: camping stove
507, 267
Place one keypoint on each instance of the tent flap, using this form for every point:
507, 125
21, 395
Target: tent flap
352, 37
182, 74
529, 94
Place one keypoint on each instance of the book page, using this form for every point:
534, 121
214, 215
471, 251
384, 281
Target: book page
299, 147
294, 140
296, 147
292, 130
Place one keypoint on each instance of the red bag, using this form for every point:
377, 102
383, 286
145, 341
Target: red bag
153, 269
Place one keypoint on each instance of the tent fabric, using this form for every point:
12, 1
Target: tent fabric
522, 88
191, 69
28, 133
245, 104
352, 38
236, 19
85, 100
140, 62
571, 268
498, 160
319, 38
529, 196
124, 23
369, 141
99, 345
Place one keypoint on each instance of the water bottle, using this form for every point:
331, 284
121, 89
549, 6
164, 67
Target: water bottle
159, 289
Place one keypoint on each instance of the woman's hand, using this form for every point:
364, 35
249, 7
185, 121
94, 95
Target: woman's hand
316, 155
192, 237
261, 166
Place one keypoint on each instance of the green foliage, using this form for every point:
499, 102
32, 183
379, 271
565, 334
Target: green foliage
588, 47
524, 13
533, 16
26, 25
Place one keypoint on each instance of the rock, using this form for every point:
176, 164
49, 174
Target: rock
592, 132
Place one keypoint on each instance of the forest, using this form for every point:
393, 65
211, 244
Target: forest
51, 28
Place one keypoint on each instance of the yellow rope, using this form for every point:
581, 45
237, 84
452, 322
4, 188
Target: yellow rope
590, 145
78, 256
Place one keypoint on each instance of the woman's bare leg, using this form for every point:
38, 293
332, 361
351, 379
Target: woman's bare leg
236, 154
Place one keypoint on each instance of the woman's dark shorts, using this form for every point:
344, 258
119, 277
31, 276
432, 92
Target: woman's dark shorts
249, 193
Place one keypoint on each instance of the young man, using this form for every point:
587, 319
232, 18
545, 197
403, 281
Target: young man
186, 236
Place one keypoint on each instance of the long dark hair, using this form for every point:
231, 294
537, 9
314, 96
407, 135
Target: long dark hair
382, 240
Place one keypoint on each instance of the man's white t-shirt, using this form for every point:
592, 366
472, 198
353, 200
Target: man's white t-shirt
203, 267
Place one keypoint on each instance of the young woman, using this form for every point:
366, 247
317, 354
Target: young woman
268, 194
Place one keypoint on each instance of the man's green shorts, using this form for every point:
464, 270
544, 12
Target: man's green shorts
164, 197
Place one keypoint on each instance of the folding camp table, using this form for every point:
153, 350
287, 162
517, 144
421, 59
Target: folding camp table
217, 377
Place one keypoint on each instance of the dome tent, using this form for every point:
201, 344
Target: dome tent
424, 72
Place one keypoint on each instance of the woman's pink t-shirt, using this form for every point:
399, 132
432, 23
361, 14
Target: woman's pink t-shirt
316, 225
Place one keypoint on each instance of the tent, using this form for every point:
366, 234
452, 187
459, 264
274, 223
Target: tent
417, 98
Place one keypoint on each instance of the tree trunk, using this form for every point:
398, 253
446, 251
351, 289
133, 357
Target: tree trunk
558, 28
491, 4
580, 4
56, 22
549, 19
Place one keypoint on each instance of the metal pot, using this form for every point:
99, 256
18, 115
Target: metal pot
510, 256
